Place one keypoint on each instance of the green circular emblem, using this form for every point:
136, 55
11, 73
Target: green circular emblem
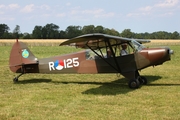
25, 54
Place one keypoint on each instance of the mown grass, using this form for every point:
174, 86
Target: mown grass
87, 97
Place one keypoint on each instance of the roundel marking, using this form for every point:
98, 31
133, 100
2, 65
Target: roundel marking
59, 64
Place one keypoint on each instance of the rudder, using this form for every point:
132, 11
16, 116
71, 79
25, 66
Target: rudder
21, 56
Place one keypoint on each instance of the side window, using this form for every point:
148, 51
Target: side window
89, 55
126, 49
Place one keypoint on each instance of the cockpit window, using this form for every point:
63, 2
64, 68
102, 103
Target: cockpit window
90, 55
118, 49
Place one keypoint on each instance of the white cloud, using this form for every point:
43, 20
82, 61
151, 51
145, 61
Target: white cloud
105, 15
95, 13
28, 8
13, 6
9, 7
7, 19
147, 8
75, 11
2, 6
133, 14
6, 11
45, 7
1, 13
68, 4
168, 3
167, 14
61, 15
46, 15
162, 9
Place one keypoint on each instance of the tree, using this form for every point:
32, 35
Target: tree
4, 31
111, 32
127, 33
146, 35
175, 35
37, 32
16, 32
50, 31
26, 36
99, 29
62, 34
88, 29
73, 31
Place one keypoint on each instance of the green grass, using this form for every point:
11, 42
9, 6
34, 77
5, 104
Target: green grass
87, 97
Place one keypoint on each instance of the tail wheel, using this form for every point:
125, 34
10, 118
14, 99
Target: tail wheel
15, 80
134, 84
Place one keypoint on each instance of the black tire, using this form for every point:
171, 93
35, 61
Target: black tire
134, 84
143, 80
15, 80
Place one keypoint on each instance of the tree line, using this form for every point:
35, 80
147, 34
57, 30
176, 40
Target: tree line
51, 31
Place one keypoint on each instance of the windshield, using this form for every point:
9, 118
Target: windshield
137, 46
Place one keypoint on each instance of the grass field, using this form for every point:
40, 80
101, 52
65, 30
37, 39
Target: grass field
89, 97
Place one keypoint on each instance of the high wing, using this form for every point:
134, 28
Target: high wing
98, 40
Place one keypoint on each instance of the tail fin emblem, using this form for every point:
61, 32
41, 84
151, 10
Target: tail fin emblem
25, 53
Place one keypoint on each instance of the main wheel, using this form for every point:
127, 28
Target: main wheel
134, 84
143, 80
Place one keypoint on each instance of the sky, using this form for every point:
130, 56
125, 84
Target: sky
138, 15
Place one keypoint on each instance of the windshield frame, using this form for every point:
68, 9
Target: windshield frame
137, 46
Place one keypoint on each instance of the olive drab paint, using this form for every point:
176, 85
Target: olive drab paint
93, 60
63, 64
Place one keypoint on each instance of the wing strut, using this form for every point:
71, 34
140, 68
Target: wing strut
109, 44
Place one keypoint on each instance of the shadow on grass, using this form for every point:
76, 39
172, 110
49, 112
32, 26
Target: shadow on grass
119, 86
165, 84
34, 81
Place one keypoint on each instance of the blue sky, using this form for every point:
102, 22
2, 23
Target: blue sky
138, 15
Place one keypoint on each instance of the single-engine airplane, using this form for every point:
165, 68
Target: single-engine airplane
103, 54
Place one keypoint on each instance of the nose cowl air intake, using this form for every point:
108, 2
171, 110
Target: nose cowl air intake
169, 52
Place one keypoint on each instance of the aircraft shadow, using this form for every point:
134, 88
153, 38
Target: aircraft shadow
163, 85
29, 81
119, 86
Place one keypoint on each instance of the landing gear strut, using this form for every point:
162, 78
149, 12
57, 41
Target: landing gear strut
142, 80
15, 80
137, 81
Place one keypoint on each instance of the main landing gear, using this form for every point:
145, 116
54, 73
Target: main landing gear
135, 83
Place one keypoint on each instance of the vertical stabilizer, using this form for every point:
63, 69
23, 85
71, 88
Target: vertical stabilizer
20, 56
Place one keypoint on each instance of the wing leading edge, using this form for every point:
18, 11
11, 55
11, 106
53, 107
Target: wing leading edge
98, 38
